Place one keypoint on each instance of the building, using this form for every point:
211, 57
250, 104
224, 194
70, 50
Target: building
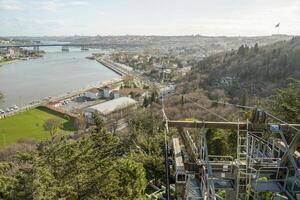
115, 94
106, 92
93, 94
167, 90
120, 106
55, 104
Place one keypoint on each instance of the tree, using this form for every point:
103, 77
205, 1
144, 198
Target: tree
286, 102
80, 123
52, 125
255, 48
6, 182
1, 95
128, 81
146, 101
131, 179
241, 50
147, 137
74, 169
99, 122
244, 98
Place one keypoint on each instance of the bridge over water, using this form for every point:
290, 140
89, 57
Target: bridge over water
65, 46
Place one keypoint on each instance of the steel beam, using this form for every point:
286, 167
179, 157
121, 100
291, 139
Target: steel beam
225, 125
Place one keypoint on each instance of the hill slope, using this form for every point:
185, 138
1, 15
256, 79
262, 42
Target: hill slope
252, 70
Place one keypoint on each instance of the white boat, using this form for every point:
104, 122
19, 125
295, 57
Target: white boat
15, 107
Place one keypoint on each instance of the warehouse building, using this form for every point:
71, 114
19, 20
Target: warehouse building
120, 106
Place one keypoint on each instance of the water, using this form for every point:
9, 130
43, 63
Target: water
55, 74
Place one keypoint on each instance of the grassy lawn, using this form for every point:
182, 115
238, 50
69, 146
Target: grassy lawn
29, 125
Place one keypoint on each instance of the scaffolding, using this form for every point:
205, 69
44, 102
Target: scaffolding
259, 165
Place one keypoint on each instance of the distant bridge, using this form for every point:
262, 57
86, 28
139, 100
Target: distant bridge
52, 45
66, 45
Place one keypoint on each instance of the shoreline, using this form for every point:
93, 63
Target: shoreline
35, 103
8, 62
60, 97
18, 60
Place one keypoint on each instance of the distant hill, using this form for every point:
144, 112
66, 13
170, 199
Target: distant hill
186, 47
254, 71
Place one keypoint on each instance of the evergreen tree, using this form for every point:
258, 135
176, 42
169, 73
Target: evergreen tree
256, 49
286, 102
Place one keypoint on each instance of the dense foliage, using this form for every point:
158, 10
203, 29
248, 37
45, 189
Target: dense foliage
146, 136
286, 102
89, 168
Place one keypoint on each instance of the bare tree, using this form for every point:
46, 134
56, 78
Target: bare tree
1, 95
80, 123
52, 125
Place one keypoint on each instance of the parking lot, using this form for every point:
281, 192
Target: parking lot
78, 103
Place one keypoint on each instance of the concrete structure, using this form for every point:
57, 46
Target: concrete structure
119, 106
93, 93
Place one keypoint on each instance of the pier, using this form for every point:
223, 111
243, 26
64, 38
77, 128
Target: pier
113, 66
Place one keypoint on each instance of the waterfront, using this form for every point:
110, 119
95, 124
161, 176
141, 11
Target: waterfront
55, 74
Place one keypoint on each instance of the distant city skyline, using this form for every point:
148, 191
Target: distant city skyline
149, 17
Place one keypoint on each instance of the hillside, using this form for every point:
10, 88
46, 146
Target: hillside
249, 71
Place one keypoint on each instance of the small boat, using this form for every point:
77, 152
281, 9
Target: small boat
90, 57
15, 107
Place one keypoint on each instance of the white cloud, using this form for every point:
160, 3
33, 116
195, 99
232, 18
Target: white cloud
11, 5
55, 5
47, 5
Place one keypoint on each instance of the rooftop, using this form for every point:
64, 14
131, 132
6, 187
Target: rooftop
93, 90
112, 105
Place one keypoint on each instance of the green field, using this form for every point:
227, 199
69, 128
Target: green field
29, 125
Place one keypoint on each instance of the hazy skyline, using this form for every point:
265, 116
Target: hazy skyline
148, 17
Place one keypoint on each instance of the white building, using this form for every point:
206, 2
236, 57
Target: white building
120, 106
93, 93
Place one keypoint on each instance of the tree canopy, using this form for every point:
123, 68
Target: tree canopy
286, 102
88, 168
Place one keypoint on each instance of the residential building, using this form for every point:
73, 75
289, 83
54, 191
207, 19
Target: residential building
106, 92
167, 90
115, 94
93, 94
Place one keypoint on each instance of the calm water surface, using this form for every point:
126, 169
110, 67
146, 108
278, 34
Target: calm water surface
55, 74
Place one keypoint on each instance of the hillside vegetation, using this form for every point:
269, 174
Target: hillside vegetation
248, 71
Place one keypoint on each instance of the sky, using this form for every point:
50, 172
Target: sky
149, 17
